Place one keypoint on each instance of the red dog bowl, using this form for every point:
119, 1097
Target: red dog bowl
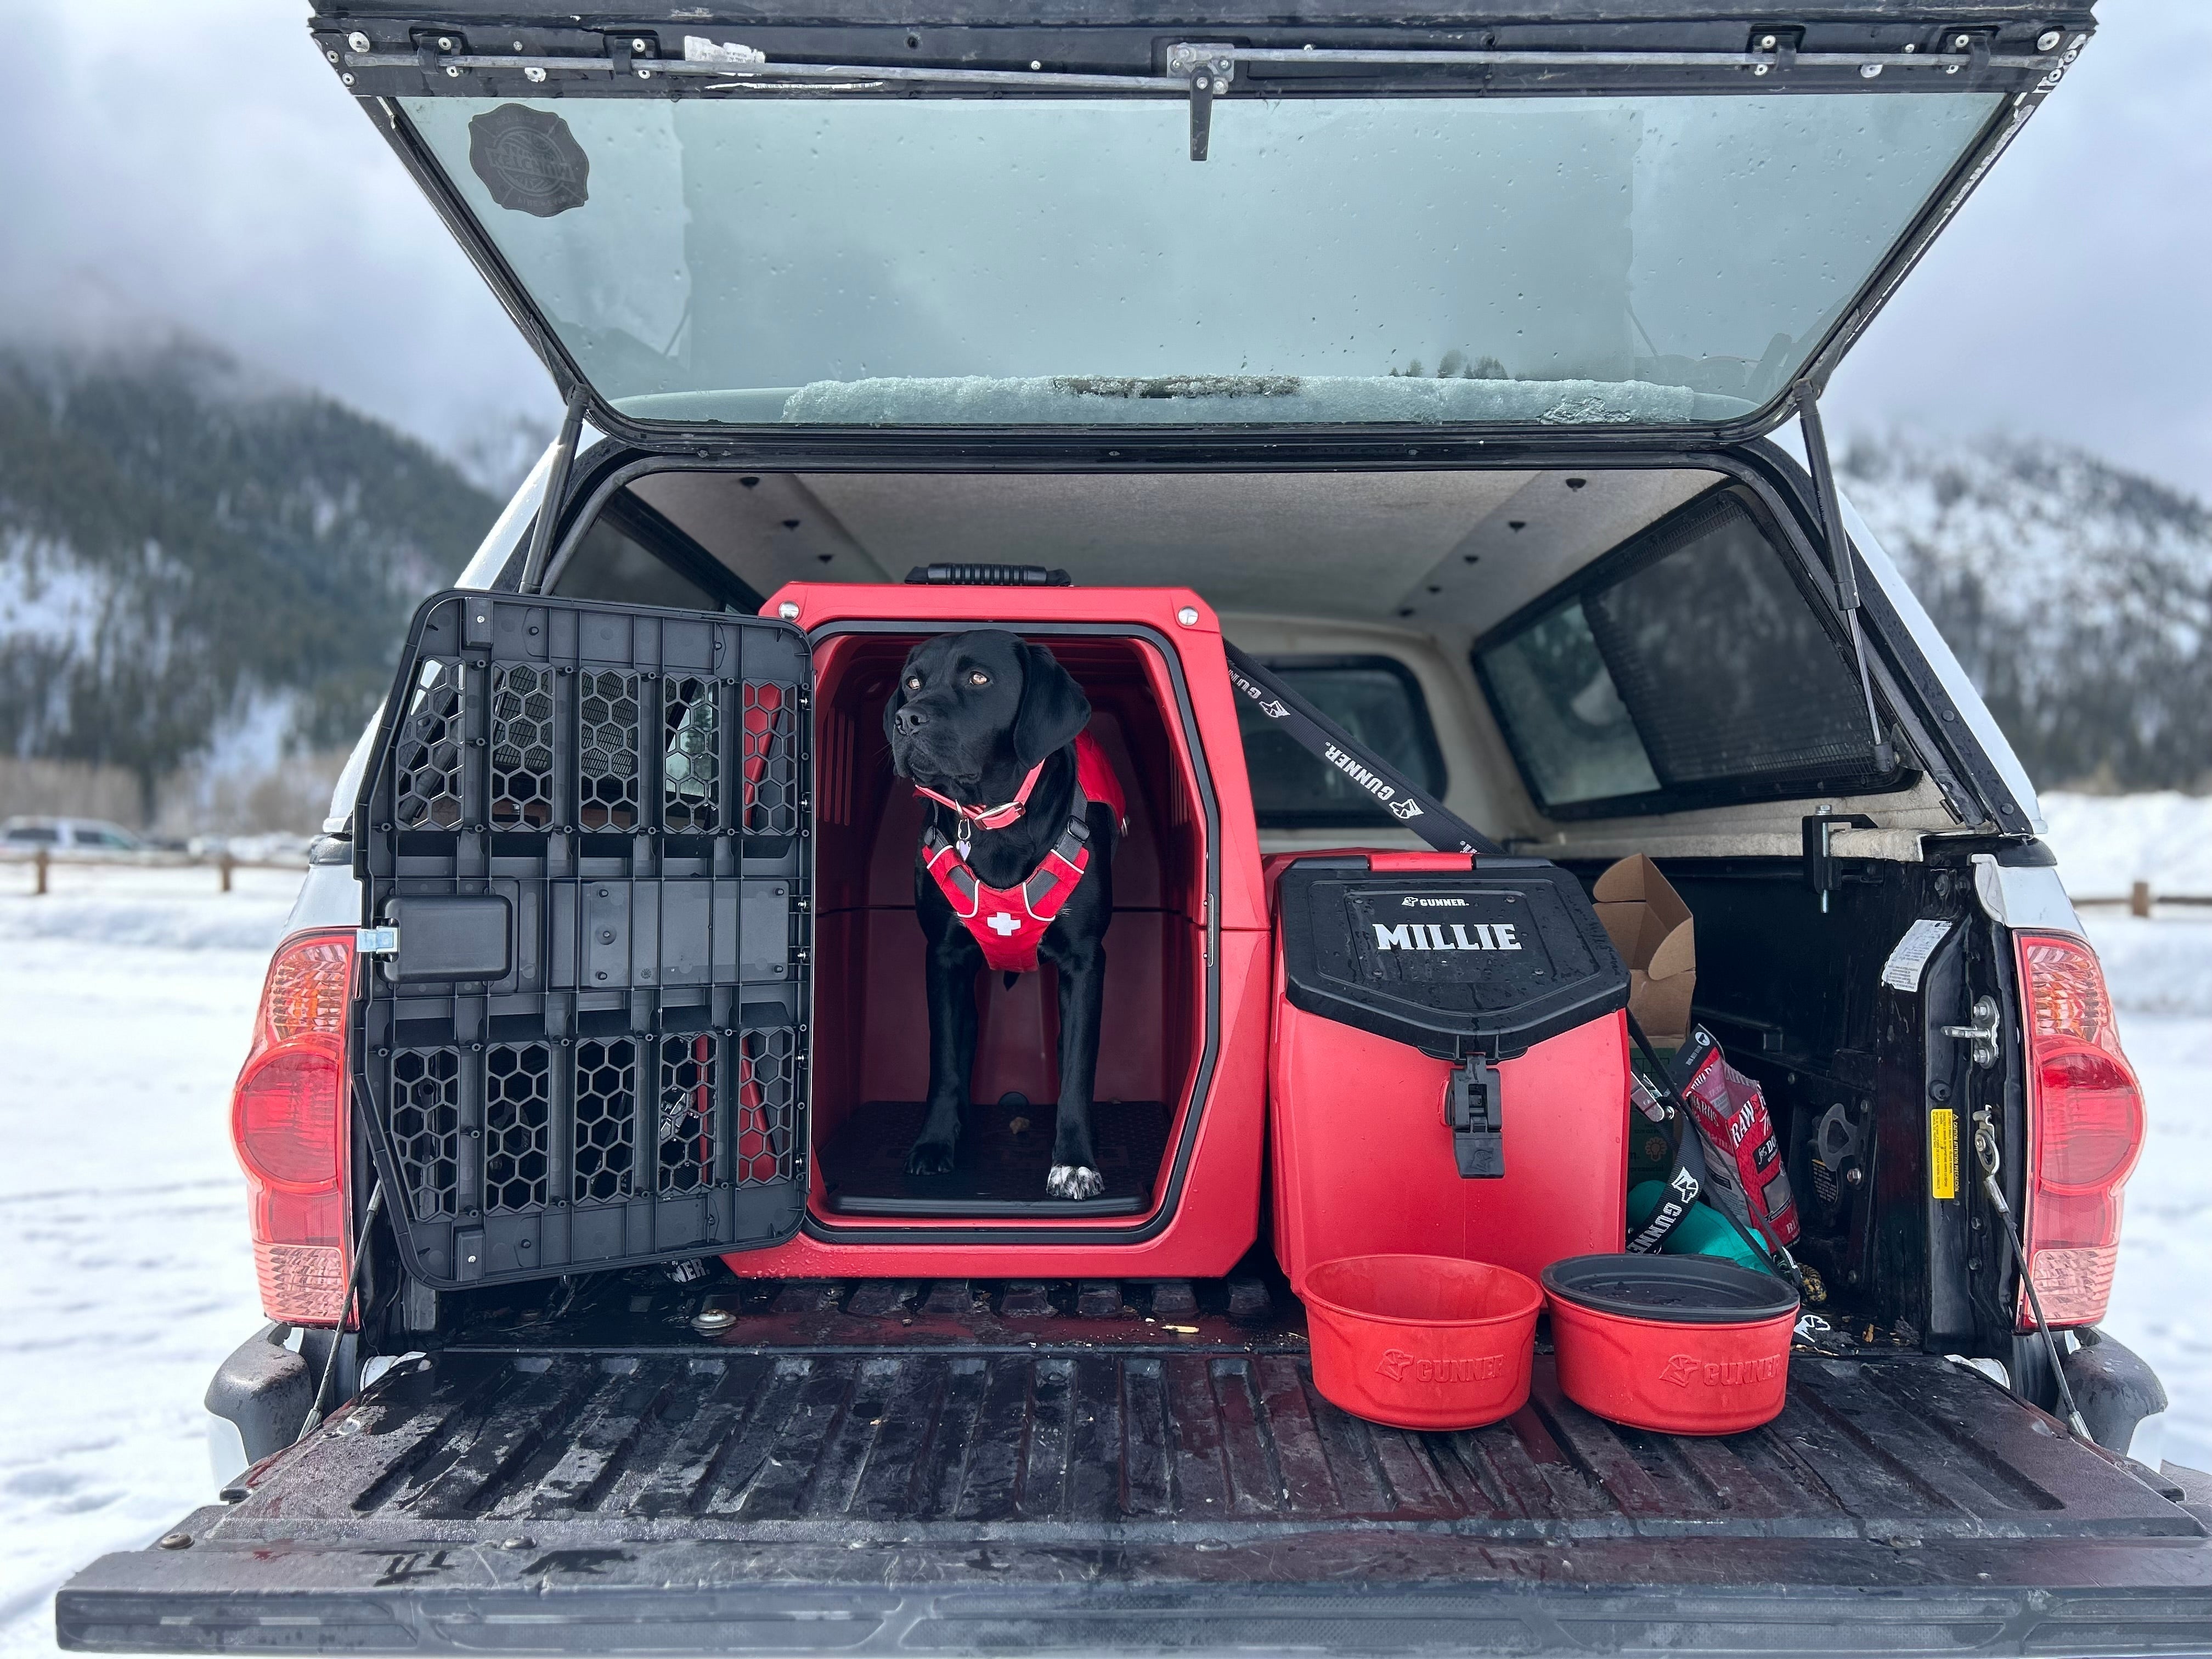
1682, 1344
1421, 1341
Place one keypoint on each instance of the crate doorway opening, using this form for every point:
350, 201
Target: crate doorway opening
871, 1034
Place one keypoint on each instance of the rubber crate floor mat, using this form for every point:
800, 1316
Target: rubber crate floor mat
999, 1165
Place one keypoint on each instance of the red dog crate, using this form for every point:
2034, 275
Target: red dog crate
1187, 1005
1195, 999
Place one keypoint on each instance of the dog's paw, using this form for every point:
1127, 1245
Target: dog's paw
1074, 1181
930, 1157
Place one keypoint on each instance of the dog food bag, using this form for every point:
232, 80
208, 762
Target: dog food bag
1744, 1167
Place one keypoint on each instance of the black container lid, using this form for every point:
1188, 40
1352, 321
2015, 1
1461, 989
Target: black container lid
1669, 1290
1489, 960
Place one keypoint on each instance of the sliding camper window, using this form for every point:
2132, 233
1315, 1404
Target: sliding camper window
1689, 667
1379, 702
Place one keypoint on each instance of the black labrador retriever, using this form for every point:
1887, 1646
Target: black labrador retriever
973, 716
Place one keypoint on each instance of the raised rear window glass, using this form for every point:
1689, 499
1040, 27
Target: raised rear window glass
610, 565
1689, 668
1377, 701
1655, 260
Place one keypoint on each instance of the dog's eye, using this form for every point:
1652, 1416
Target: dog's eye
913, 682
977, 677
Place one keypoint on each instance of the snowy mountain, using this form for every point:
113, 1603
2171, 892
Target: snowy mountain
2078, 595
194, 557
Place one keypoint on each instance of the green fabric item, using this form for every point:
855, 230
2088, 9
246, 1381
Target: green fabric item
1704, 1231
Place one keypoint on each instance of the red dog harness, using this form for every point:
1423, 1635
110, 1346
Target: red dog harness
1009, 922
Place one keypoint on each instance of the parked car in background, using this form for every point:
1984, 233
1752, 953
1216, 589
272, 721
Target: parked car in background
26, 834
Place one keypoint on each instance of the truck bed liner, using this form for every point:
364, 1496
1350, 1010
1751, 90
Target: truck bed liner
899, 1477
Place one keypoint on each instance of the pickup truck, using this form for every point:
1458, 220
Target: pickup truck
1460, 364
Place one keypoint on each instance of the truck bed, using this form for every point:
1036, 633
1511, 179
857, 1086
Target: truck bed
877, 1467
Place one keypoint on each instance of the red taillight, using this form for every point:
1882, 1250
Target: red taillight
2085, 1128
288, 1117
310, 983
284, 1117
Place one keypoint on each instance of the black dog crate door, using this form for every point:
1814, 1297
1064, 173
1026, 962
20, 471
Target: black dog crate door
583, 1039
1488, 961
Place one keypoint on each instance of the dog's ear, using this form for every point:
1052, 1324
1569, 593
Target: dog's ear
1054, 708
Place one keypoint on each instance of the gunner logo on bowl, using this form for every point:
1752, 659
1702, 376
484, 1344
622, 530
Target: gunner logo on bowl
1682, 1370
1402, 1367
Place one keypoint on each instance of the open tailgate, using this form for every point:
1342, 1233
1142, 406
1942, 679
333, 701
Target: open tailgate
891, 1468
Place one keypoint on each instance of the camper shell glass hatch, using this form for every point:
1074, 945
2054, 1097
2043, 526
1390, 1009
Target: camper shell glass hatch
922, 261
1581, 224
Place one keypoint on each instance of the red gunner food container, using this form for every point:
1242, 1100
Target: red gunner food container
1679, 1344
1433, 1098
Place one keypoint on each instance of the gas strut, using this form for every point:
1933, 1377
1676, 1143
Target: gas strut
556, 486
1839, 559
314, 1417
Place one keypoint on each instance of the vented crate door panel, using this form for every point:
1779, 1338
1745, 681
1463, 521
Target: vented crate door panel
605, 806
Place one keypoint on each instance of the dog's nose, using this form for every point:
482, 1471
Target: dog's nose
908, 721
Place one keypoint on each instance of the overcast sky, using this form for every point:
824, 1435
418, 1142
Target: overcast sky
200, 162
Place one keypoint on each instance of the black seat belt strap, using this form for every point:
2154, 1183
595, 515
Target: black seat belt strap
1397, 795
1686, 1178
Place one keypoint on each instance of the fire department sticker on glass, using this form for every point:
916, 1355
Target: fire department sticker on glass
529, 160
1902, 971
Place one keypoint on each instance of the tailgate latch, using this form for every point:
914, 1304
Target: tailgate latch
1473, 1112
1982, 1035
376, 941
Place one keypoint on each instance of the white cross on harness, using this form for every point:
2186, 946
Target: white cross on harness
1004, 926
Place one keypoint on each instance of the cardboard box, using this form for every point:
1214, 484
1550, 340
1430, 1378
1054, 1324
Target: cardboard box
1652, 929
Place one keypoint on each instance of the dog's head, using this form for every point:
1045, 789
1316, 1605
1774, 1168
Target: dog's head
985, 700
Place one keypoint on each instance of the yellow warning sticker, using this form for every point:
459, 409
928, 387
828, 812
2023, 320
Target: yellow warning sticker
1943, 1151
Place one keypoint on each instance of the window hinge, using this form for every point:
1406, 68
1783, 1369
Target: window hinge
1207, 72
1775, 51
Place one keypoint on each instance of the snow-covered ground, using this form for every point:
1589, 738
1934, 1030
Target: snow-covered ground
127, 994
2160, 974
2106, 843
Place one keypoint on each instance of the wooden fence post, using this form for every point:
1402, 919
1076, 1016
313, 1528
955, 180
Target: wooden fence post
2139, 899
225, 864
40, 863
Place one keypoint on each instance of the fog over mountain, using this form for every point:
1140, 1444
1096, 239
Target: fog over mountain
194, 555
2078, 595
